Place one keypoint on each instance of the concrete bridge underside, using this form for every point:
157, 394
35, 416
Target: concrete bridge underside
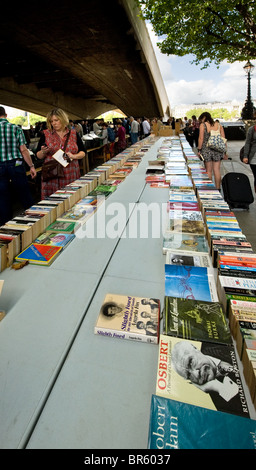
87, 57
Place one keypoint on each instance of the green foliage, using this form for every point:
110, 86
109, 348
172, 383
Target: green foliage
23, 120
218, 113
18, 120
212, 31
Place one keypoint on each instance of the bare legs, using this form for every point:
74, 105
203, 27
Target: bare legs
214, 168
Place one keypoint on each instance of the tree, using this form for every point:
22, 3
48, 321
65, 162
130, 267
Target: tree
212, 31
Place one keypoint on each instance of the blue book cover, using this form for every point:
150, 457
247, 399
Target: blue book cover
55, 239
177, 425
190, 282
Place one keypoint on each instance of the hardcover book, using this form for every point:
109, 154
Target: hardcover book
184, 241
188, 258
186, 226
200, 373
191, 282
195, 319
185, 214
39, 254
177, 425
129, 317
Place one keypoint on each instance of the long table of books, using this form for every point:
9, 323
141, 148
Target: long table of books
144, 249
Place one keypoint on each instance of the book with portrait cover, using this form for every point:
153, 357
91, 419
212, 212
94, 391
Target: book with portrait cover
195, 319
188, 258
192, 282
177, 425
200, 373
39, 254
129, 317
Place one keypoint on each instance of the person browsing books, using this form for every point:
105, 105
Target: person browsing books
53, 139
212, 158
13, 153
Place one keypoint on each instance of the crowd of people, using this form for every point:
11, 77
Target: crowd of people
59, 132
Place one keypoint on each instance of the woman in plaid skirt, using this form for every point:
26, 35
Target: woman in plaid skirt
53, 139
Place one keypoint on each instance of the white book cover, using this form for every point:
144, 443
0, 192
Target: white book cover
59, 157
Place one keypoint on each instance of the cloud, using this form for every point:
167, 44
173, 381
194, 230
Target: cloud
227, 83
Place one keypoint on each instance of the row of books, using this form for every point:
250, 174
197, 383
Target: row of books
41, 232
199, 395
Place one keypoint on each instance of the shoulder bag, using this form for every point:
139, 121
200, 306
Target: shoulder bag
53, 169
216, 141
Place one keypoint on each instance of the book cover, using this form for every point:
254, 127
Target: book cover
66, 227
200, 373
185, 214
183, 241
183, 206
177, 425
55, 239
129, 317
39, 254
190, 282
188, 258
186, 226
195, 319
78, 213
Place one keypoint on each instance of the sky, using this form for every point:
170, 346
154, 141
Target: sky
188, 84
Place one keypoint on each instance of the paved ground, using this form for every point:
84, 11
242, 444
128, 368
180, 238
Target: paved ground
246, 219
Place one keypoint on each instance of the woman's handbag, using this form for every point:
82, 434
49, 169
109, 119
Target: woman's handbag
217, 142
53, 169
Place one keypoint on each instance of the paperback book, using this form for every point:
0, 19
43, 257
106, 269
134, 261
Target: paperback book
129, 317
190, 282
64, 227
55, 239
177, 425
235, 286
195, 319
39, 254
200, 373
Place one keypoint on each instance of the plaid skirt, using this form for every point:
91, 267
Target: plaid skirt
71, 173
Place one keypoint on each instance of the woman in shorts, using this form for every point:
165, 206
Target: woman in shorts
212, 158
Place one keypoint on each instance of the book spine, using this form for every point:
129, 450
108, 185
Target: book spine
126, 335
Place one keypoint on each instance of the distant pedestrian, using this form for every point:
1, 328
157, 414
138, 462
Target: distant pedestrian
146, 127
250, 150
135, 128
13, 153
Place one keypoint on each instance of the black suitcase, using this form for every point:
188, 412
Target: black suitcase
237, 190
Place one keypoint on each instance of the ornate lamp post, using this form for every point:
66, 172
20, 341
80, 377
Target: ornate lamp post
248, 109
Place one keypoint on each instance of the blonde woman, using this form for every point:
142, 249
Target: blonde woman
53, 139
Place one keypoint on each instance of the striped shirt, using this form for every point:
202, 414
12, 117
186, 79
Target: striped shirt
11, 138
